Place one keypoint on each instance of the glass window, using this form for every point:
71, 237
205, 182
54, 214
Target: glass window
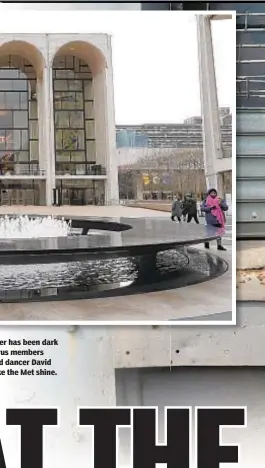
88, 87
57, 104
64, 74
75, 85
22, 156
91, 151
61, 85
73, 139
61, 119
9, 73
13, 100
78, 156
69, 140
60, 156
33, 110
89, 129
19, 98
58, 139
76, 119
70, 109
80, 134
2, 100
20, 85
24, 139
33, 130
15, 140
89, 110
65, 156
34, 150
6, 119
23, 100
6, 85
20, 119
72, 100
80, 169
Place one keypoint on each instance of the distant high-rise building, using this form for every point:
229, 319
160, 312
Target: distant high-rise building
182, 135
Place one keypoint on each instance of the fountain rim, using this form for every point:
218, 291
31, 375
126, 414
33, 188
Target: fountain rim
29, 251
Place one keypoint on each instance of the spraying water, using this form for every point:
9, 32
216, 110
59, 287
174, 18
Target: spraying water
23, 227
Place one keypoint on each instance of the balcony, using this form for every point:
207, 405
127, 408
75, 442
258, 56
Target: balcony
79, 169
17, 169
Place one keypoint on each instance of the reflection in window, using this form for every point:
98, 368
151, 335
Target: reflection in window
18, 117
73, 115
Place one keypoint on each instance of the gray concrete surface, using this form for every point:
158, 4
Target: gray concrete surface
251, 270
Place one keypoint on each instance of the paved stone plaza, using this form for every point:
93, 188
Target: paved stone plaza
205, 299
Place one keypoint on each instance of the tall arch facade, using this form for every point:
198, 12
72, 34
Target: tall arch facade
57, 134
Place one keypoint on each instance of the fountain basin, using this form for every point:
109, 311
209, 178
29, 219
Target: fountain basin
99, 257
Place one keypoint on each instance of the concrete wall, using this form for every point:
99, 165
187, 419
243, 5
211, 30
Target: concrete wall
87, 358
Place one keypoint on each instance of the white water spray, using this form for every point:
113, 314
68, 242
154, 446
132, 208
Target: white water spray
23, 227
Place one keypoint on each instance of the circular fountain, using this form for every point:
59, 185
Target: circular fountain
56, 258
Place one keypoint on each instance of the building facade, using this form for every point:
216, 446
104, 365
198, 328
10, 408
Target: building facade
188, 134
57, 126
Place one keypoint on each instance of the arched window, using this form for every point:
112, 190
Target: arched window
73, 99
19, 147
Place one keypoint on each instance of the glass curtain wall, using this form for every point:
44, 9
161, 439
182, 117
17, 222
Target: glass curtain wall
75, 151
19, 147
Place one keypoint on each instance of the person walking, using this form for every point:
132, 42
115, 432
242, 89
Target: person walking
176, 210
214, 208
190, 209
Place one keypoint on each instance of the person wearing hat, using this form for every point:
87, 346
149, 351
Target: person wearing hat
214, 208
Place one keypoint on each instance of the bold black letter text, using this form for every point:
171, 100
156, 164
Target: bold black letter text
31, 421
209, 452
145, 451
104, 421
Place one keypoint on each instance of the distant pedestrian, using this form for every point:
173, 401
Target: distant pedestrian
214, 208
176, 210
190, 209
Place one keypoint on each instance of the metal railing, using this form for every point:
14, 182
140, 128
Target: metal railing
79, 169
21, 169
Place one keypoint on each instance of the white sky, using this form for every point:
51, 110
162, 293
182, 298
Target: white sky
154, 57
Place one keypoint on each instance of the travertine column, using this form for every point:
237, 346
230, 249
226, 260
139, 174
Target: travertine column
105, 132
47, 146
209, 103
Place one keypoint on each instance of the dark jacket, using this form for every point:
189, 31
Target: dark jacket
189, 207
209, 217
176, 209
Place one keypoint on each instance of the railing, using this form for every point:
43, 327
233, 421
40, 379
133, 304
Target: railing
21, 169
79, 169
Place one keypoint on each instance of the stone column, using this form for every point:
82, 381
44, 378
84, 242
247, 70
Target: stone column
112, 185
209, 103
105, 131
47, 146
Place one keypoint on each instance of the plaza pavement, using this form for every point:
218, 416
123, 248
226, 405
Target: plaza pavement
202, 300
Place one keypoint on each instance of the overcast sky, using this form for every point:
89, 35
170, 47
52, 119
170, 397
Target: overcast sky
155, 59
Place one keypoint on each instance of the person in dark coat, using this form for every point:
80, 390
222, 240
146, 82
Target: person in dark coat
190, 209
214, 208
176, 210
